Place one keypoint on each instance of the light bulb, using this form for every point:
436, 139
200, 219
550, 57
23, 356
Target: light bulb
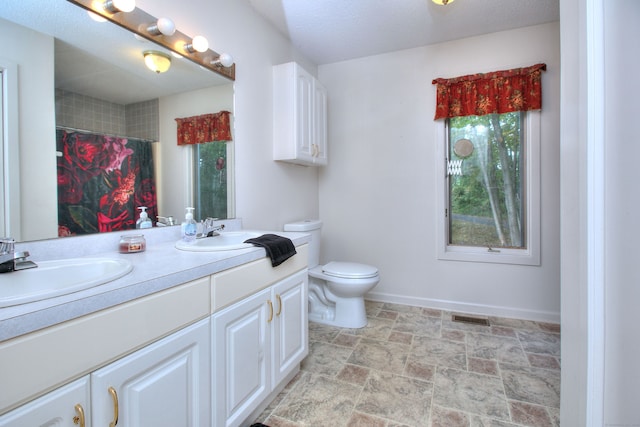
114, 6
198, 44
224, 59
164, 26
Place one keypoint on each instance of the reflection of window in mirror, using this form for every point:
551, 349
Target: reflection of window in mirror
2, 215
210, 179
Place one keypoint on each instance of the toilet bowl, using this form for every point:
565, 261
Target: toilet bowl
336, 289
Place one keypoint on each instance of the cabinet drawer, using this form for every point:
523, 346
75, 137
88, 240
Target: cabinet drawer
237, 283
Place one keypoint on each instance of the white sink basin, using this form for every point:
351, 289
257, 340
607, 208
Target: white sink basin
59, 277
226, 241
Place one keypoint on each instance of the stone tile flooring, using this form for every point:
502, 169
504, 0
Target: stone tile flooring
414, 366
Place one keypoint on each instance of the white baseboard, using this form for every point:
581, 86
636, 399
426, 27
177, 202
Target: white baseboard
463, 307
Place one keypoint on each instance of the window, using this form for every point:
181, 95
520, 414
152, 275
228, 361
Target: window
211, 185
489, 201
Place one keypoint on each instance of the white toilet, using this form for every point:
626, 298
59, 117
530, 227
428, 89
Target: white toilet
336, 289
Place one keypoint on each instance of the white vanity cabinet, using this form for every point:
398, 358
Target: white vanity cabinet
147, 349
300, 116
209, 352
163, 384
259, 341
67, 406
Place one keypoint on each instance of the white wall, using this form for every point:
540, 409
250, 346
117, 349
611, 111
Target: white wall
574, 390
600, 342
622, 208
32, 52
268, 194
378, 194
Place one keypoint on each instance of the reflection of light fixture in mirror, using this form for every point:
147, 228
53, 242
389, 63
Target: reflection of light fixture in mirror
96, 17
224, 59
442, 2
198, 44
164, 26
158, 62
114, 6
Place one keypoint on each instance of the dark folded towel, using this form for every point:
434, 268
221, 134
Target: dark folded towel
278, 248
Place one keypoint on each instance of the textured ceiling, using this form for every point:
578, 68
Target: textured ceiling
329, 31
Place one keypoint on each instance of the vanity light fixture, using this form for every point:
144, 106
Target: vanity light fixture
164, 26
142, 24
198, 44
443, 2
156, 61
114, 6
224, 60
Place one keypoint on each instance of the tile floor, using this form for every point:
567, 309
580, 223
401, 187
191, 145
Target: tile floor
413, 366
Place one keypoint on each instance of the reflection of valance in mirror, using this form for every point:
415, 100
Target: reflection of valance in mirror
204, 128
499, 92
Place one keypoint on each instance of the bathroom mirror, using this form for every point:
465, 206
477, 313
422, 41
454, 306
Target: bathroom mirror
98, 61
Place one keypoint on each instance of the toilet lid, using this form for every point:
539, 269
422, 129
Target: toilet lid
349, 270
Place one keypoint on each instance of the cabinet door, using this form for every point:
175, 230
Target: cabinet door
305, 94
290, 326
319, 149
240, 357
63, 407
163, 384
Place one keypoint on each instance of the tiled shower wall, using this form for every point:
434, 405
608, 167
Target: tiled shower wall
138, 120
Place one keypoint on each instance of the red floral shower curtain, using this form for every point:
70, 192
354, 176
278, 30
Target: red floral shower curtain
499, 92
204, 128
102, 180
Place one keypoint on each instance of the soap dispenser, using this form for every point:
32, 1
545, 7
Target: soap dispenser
189, 226
143, 221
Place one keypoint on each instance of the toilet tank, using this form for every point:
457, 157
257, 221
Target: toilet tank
311, 226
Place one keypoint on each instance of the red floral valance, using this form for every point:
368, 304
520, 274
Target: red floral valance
499, 92
204, 128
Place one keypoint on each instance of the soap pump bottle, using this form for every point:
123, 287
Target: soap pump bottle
189, 226
143, 221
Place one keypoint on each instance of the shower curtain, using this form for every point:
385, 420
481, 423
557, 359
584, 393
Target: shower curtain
102, 180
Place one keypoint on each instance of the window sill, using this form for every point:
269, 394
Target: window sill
477, 254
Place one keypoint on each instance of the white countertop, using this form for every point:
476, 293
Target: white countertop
161, 266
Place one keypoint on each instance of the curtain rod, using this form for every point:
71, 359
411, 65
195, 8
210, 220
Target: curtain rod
68, 128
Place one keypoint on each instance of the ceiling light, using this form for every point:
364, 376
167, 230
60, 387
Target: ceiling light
158, 62
443, 2
198, 44
224, 59
114, 6
164, 26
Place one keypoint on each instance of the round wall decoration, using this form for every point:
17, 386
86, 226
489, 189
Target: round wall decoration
463, 148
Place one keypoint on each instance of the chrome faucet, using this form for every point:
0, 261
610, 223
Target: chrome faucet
209, 229
21, 262
7, 248
165, 220
10, 260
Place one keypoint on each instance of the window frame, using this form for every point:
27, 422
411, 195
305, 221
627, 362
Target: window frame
526, 256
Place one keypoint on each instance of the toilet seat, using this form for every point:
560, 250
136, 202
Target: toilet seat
349, 270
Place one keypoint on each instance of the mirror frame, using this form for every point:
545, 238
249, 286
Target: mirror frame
137, 22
